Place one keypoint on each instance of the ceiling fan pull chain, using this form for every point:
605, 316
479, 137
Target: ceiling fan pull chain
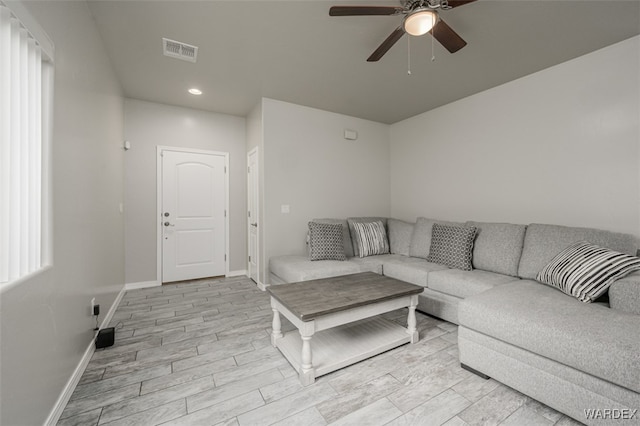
408, 55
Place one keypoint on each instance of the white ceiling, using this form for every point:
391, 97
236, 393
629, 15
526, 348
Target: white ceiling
293, 51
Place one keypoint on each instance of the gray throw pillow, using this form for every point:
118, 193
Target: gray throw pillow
325, 241
452, 246
585, 271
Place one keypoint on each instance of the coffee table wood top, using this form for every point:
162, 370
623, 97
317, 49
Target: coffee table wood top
311, 299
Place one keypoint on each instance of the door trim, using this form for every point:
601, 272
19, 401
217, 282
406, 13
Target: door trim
257, 219
159, 150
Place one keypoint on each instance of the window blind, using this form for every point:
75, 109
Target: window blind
21, 146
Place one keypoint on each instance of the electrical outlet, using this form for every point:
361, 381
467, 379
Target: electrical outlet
93, 303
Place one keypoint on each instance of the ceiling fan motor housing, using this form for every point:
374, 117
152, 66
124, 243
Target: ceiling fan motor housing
412, 5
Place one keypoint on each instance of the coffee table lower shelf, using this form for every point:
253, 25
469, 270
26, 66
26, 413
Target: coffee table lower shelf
344, 345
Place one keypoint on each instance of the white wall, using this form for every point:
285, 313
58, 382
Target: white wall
46, 321
309, 166
559, 146
148, 125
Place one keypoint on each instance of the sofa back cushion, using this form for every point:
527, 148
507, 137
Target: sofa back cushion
421, 237
352, 233
399, 233
498, 247
543, 242
346, 236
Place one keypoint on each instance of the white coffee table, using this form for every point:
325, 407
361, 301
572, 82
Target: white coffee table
342, 315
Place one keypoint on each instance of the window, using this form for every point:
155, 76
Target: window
25, 94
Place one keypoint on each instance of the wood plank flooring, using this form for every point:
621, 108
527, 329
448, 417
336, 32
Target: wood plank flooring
199, 353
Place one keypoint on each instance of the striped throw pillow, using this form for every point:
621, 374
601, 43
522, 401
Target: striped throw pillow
371, 238
585, 271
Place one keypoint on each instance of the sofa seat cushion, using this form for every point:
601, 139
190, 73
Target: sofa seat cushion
410, 269
456, 282
588, 337
375, 263
292, 269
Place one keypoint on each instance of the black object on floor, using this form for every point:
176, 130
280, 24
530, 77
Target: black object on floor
105, 338
474, 371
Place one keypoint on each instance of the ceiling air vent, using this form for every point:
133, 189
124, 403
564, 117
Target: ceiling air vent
178, 50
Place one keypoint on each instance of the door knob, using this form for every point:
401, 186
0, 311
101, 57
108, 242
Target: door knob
168, 224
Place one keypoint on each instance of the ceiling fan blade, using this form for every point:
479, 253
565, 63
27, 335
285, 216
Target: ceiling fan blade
386, 45
456, 3
447, 37
364, 10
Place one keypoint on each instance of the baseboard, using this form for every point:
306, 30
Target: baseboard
66, 393
141, 284
238, 273
261, 286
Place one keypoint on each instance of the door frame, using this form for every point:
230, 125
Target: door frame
159, 150
254, 151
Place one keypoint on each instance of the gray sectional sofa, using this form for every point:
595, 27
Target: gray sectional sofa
565, 353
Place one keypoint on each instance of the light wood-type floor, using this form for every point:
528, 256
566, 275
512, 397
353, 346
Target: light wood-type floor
199, 353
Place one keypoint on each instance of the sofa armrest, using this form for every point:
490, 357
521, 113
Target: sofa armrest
624, 294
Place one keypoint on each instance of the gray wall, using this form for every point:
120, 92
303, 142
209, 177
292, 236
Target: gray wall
309, 166
148, 125
45, 321
559, 146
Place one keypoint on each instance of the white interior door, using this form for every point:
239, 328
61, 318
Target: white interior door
253, 180
193, 215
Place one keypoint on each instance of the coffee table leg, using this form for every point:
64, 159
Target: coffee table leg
276, 325
411, 320
307, 372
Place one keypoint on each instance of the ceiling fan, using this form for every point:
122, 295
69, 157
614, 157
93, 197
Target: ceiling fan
420, 17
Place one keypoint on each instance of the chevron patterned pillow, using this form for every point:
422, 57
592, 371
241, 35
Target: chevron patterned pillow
325, 241
452, 246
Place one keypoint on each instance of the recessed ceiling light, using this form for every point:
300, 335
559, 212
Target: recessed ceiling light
195, 91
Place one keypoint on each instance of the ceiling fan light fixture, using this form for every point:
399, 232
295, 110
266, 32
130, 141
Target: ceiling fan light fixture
420, 22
